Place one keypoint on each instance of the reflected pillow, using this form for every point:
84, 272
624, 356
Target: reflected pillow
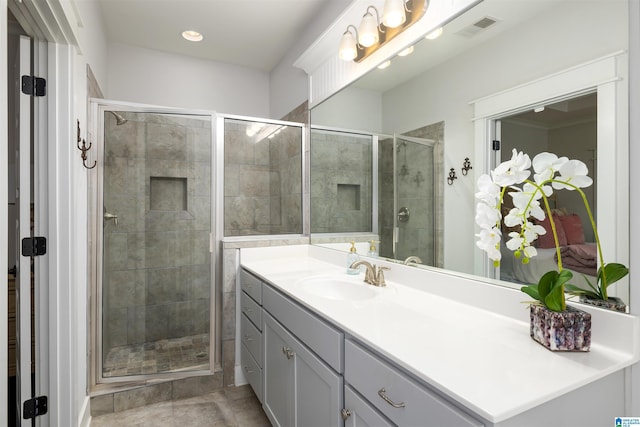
573, 229
545, 241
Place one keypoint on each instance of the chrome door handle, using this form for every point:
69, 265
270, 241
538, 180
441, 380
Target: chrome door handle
382, 394
287, 352
346, 413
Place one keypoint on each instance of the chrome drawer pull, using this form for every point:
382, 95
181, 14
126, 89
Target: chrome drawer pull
248, 310
247, 370
248, 338
346, 413
287, 352
382, 394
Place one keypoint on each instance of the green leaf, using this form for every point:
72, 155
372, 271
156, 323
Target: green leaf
613, 272
532, 291
595, 290
546, 282
555, 300
576, 290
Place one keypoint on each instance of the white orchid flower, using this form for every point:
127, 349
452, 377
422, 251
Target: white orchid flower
573, 172
489, 191
545, 166
512, 171
515, 242
526, 200
486, 216
514, 218
489, 241
532, 231
529, 251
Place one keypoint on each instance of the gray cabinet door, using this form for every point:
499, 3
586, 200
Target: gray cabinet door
358, 413
279, 379
314, 393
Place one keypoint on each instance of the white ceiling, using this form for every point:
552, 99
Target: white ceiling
251, 33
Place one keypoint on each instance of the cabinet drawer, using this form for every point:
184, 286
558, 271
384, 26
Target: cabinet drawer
375, 379
251, 309
251, 285
252, 338
326, 341
252, 372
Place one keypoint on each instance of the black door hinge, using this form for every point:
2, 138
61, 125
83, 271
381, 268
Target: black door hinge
495, 145
34, 407
34, 86
34, 246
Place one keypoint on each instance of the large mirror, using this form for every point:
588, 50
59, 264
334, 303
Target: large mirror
419, 116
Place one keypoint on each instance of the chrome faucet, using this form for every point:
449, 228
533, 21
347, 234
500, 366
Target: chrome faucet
373, 275
412, 259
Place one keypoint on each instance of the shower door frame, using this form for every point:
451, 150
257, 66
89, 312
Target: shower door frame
396, 228
97, 382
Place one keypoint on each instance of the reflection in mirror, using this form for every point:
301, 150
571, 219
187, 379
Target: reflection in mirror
440, 80
565, 128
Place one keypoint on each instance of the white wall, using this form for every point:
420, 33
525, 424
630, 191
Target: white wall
288, 84
152, 77
525, 53
364, 109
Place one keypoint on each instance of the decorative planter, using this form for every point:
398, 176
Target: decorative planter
569, 330
612, 303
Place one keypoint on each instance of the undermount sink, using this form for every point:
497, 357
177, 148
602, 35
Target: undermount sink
338, 288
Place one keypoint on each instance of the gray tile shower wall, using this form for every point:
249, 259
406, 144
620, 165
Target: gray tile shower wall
157, 263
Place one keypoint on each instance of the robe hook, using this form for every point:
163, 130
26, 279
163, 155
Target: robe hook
84, 148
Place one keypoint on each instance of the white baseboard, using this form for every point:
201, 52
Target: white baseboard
84, 417
239, 375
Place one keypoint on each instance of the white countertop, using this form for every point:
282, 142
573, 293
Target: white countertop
482, 358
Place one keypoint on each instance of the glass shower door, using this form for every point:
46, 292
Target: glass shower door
155, 295
414, 203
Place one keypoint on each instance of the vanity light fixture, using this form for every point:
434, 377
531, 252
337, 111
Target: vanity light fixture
192, 36
349, 44
369, 28
434, 34
384, 65
394, 13
374, 31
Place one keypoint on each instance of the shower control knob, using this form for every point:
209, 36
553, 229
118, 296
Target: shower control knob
403, 214
114, 217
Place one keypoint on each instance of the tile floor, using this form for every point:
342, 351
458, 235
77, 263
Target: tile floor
157, 356
229, 407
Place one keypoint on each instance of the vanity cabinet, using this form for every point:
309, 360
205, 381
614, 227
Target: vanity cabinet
299, 388
358, 412
251, 350
399, 397
303, 384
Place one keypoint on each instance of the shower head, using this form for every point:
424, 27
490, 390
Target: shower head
119, 119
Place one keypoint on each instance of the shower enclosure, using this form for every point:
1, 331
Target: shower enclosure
399, 202
154, 293
407, 198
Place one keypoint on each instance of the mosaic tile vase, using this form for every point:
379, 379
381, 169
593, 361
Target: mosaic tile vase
612, 303
569, 330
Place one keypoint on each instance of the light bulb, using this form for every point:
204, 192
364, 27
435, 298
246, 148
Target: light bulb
347, 49
394, 14
368, 30
384, 65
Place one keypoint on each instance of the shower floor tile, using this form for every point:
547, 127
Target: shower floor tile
157, 356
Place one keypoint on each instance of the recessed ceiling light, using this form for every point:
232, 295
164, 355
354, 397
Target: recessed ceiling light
434, 34
192, 36
406, 51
